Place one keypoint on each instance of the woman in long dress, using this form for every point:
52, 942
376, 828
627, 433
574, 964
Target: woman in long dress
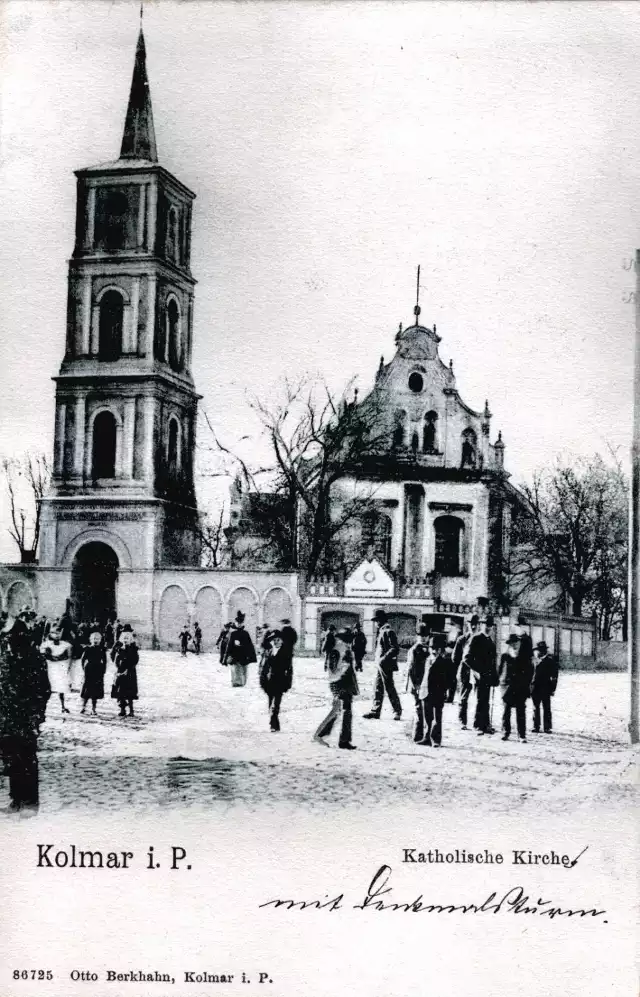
94, 663
125, 657
57, 653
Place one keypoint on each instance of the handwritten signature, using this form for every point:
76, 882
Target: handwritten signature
514, 901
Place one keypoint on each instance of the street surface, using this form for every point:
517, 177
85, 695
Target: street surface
195, 742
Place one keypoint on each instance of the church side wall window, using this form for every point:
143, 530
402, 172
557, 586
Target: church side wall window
429, 433
449, 533
469, 448
400, 429
103, 449
110, 326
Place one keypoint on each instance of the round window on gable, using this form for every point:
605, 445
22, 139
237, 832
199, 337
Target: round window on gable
416, 382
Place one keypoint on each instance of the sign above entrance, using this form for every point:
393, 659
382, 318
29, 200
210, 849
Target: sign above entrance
369, 579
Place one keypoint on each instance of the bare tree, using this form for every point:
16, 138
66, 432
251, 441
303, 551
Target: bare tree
572, 536
26, 481
213, 538
315, 438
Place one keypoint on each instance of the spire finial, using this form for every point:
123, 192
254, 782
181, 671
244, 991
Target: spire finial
139, 139
416, 310
141, 11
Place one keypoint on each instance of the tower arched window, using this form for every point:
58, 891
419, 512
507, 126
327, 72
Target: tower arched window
173, 448
173, 246
112, 212
103, 455
173, 334
449, 531
469, 448
429, 433
400, 429
110, 326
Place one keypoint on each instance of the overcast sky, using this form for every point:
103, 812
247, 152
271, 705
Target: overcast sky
332, 148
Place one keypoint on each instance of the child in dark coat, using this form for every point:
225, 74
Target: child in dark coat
125, 657
94, 665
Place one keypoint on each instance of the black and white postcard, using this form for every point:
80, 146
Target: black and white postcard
319, 492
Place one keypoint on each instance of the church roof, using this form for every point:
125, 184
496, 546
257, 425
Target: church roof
139, 138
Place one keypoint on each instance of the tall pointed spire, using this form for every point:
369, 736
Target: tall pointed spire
139, 138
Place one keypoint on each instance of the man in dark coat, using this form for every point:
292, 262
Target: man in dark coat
416, 661
543, 686
515, 676
289, 638
276, 675
480, 658
463, 670
221, 642
359, 645
327, 644
387, 663
239, 652
24, 692
197, 637
344, 686
433, 690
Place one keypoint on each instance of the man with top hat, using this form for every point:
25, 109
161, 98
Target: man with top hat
480, 658
416, 662
515, 676
344, 686
543, 686
386, 658
359, 645
239, 652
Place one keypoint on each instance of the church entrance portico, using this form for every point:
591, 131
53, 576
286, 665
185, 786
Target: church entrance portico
94, 581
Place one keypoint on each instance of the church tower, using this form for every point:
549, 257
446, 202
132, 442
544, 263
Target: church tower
122, 501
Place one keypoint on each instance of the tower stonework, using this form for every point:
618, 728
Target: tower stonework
122, 500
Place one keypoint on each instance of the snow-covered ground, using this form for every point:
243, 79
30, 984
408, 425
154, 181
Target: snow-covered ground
197, 742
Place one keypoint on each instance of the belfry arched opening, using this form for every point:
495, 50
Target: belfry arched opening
94, 582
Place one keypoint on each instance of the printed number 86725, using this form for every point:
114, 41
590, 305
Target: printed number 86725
32, 974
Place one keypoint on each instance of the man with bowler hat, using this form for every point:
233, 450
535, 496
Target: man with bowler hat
416, 662
543, 686
386, 658
480, 657
515, 682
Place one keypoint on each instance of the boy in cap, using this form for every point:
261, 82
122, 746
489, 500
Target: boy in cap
387, 663
433, 690
543, 686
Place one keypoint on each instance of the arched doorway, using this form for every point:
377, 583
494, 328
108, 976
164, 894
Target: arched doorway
94, 578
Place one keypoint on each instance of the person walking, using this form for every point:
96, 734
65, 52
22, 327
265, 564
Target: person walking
515, 682
480, 657
433, 690
24, 693
57, 653
387, 663
240, 652
462, 669
359, 645
276, 675
543, 686
94, 664
197, 637
125, 657
344, 686
416, 662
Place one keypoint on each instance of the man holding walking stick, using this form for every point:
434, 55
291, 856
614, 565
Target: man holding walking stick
480, 658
